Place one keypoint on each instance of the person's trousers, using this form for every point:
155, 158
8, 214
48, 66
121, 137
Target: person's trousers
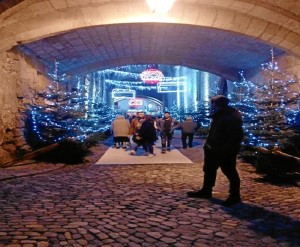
166, 139
227, 163
184, 137
123, 140
148, 147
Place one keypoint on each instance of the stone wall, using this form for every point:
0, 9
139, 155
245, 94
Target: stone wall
19, 81
292, 67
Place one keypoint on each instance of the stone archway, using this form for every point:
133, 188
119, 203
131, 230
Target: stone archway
274, 22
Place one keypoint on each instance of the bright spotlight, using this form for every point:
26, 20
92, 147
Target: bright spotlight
160, 6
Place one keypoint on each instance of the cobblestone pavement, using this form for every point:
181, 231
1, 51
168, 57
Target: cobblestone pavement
141, 205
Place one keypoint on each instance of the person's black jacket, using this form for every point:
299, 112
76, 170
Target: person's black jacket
226, 133
148, 131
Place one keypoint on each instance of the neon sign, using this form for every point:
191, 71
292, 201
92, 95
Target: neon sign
134, 102
152, 76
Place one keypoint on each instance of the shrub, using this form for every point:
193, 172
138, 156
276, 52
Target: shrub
94, 139
68, 152
274, 165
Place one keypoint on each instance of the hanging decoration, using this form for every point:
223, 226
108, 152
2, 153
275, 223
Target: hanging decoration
152, 75
130, 85
118, 93
172, 85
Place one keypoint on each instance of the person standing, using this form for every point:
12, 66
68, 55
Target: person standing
148, 134
188, 128
121, 131
135, 125
220, 150
166, 127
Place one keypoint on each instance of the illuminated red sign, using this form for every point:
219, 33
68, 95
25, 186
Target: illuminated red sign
134, 102
151, 76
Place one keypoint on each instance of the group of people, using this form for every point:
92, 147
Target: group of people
221, 147
145, 130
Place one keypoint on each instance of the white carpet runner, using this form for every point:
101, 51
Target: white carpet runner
123, 156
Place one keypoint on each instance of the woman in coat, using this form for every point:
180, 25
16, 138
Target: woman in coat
148, 134
121, 131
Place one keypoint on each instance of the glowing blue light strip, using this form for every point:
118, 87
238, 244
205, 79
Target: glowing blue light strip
206, 86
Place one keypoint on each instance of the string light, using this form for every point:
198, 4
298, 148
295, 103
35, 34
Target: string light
84, 110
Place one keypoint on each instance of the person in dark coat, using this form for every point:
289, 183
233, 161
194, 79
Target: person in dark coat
188, 128
148, 134
166, 127
221, 148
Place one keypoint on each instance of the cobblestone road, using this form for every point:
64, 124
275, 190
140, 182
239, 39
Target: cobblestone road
141, 205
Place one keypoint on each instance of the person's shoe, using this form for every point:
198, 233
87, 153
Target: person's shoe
150, 155
199, 194
117, 145
132, 152
169, 149
230, 201
184, 147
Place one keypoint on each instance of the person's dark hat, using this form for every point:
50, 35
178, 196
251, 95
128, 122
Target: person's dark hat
167, 112
220, 100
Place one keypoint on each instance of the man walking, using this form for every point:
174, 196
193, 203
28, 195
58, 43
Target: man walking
166, 127
188, 128
220, 150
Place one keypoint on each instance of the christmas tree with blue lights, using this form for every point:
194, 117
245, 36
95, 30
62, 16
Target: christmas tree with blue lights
243, 98
269, 107
275, 102
56, 113
60, 114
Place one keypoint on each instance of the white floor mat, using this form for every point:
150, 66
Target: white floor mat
121, 156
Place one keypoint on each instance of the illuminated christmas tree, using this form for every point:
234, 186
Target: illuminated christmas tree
268, 107
176, 112
275, 101
60, 114
243, 98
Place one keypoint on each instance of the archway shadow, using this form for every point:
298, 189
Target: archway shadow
280, 227
287, 180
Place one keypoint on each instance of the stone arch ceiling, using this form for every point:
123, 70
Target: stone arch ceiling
221, 37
